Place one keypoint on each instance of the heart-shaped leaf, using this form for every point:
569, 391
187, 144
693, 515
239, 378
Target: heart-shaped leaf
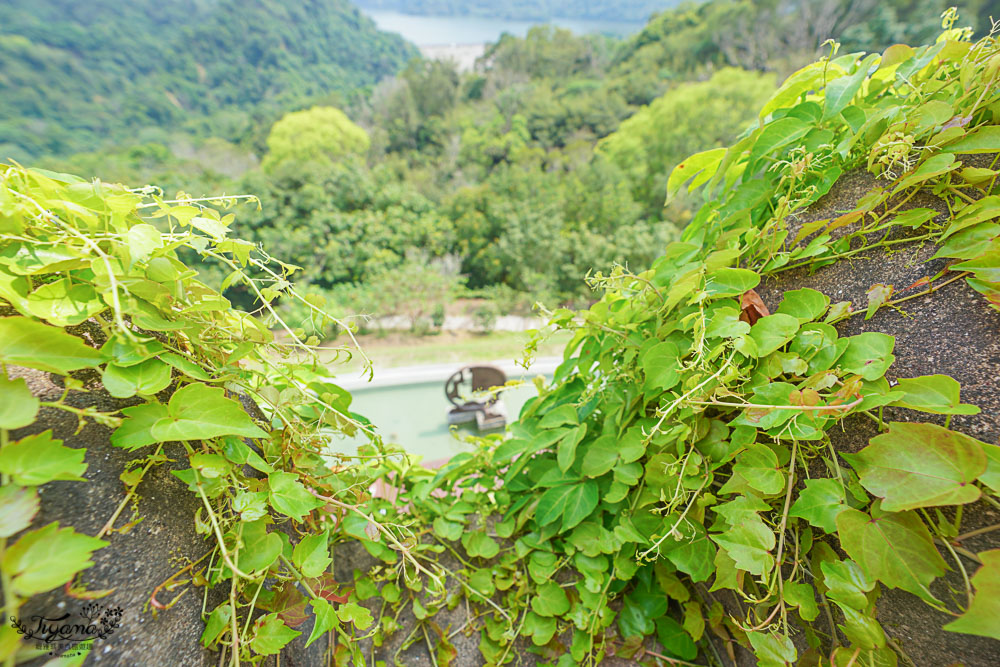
896, 549
983, 615
920, 465
937, 394
199, 412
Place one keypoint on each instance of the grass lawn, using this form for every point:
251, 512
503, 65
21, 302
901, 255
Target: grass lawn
458, 347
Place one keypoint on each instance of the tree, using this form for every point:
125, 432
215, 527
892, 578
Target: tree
689, 118
316, 134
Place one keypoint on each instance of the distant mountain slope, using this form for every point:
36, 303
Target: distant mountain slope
74, 75
542, 10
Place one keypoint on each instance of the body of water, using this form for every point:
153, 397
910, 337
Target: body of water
416, 417
445, 30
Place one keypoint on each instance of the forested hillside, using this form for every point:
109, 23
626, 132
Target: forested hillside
81, 76
510, 182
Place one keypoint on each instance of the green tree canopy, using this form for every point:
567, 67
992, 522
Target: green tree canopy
319, 133
687, 119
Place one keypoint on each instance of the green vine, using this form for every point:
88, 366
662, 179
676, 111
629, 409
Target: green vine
94, 290
682, 451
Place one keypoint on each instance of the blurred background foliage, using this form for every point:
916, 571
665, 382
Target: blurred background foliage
397, 183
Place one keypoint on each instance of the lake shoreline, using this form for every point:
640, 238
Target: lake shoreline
454, 31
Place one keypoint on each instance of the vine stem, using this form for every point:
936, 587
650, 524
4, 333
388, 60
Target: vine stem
115, 303
234, 627
121, 506
672, 661
781, 535
10, 601
152, 597
524, 617
849, 253
677, 523
763, 624
818, 408
299, 575
679, 400
198, 199
430, 649
899, 649
961, 568
978, 531
930, 290
470, 589
218, 530
965, 552
385, 531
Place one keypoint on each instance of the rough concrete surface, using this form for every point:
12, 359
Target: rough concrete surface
952, 332
137, 561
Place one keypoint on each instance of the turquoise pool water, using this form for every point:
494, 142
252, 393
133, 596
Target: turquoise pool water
415, 417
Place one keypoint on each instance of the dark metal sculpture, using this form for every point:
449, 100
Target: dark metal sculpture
467, 391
